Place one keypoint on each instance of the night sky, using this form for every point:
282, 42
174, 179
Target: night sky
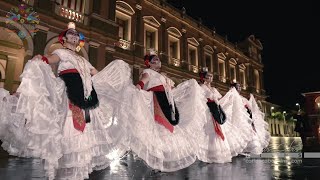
286, 31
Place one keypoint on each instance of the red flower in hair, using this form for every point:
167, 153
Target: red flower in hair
147, 60
202, 76
61, 35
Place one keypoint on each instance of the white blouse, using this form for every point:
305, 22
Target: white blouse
71, 60
211, 93
157, 79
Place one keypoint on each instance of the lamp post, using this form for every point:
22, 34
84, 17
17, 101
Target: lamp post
271, 109
285, 124
297, 104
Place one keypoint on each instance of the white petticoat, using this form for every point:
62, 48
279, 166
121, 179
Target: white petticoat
42, 127
237, 128
260, 136
152, 142
262, 127
211, 147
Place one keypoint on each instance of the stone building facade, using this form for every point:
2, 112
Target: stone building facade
126, 30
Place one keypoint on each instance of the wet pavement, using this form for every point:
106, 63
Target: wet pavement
281, 160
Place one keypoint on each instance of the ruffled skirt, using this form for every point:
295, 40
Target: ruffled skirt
237, 129
261, 126
156, 145
41, 126
213, 147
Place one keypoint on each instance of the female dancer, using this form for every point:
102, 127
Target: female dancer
164, 120
70, 121
213, 146
254, 145
237, 130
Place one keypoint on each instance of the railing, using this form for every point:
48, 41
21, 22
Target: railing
244, 86
30, 2
69, 13
124, 44
222, 78
175, 62
193, 68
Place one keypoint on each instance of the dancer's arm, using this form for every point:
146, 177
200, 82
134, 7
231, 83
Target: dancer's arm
49, 59
93, 71
144, 79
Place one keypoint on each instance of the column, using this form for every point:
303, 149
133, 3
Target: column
184, 51
227, 69
215, 64
251, 79
109, 51
47, 5
139, 32
163, 43
238, 73
97, 7
10, 70
112, 9
261, 82
136, 73
101, 57
93, 53
201, 59
104, 10
40, 40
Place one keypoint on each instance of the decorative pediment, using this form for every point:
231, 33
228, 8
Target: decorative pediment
232, 61
208, 48
193, 41
242, 66
256, 42
151, 20
125, 7
221, 56
174, 31
259, 44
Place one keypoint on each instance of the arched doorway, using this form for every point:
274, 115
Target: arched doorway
317, 104
14, 51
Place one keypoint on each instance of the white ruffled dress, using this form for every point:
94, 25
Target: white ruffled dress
160, 148
212, 147
40, 125
237, 129
261, 126
254, 146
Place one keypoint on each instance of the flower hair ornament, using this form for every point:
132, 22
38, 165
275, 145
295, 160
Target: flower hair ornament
148, 57
72, 25
234, 83
202, 74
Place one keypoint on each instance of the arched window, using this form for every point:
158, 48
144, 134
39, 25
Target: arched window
124, 13
174, 36
151, 26
317, 103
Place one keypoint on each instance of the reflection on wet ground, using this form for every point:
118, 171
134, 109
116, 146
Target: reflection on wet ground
266, 167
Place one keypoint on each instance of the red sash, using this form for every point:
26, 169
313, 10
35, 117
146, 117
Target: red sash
217, 129
79, 122
158, 114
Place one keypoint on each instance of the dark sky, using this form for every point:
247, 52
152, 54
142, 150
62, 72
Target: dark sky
286, 30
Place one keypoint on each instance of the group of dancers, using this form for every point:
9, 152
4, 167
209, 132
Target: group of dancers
83, 119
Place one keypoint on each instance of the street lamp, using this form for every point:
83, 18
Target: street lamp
271, 109
285, 124
297, 104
